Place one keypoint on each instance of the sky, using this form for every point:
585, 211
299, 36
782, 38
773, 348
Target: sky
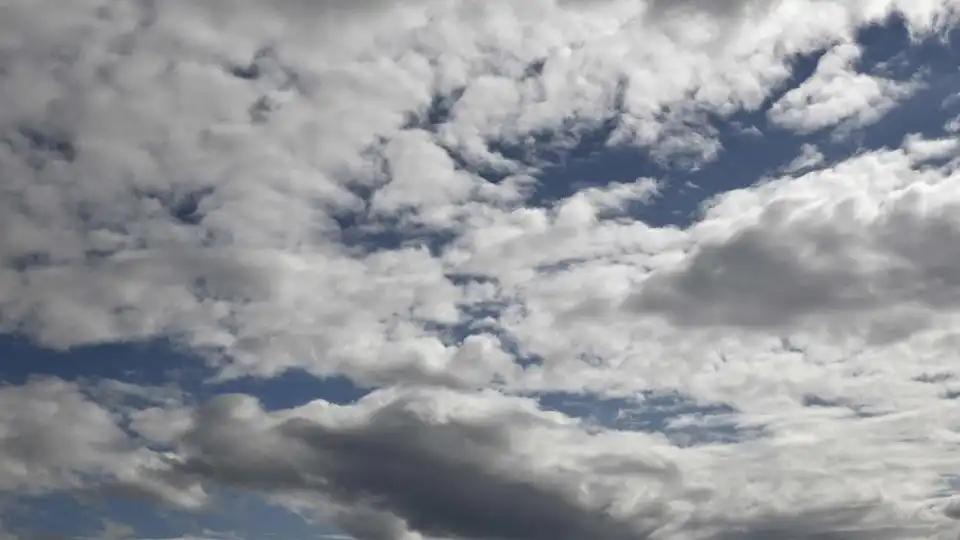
479, 270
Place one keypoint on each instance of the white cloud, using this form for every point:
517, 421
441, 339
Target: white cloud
952, 125
847, 258
837, 94
133, 212
810, 157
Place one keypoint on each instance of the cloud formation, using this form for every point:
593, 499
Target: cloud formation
813, 247
838, 95
437, 463
363, 190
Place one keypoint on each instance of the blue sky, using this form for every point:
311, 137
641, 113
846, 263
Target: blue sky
478, 271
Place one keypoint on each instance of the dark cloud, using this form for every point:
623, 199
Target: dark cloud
441, 479
397, 471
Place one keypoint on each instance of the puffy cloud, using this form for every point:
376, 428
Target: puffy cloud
55, 438
814, 284
437, 463
134, 212
813, 247
424, 481
53, 435
837, 95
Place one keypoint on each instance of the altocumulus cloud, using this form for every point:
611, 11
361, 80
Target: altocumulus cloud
356, 190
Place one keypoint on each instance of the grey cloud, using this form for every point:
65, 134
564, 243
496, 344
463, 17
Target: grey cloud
440, 479
782, 271
403, 463
757, 278
55, 438
440, 493
411, 465
51, 434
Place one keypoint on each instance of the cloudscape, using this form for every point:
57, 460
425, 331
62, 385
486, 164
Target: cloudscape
479, 269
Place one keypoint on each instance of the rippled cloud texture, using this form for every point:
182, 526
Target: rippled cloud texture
373, 192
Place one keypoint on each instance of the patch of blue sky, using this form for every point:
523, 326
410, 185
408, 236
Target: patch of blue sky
682, 419
237, 515
160, 363
63, 515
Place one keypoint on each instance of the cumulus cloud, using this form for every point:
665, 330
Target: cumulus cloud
132, 212
55, 438
837, 94
400, 464
423, 483
358, 189
53, 435
428, 462
872, 246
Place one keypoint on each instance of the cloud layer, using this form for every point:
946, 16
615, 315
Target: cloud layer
362, 190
